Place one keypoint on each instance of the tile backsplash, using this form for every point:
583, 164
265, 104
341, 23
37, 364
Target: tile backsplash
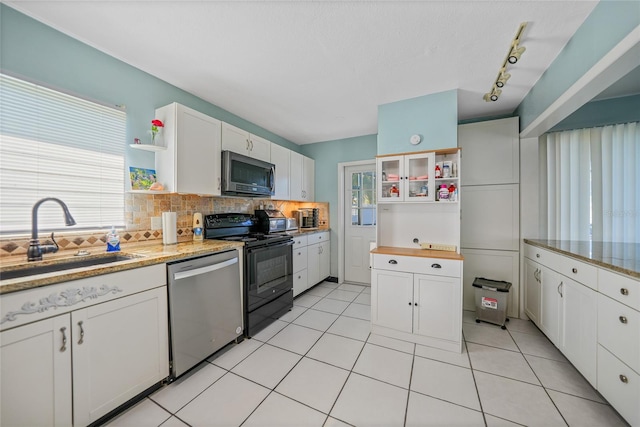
141, 208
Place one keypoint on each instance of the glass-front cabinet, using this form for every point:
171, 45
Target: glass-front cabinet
407, 178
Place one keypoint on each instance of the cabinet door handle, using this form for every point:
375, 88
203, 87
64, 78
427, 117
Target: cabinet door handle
64, 338
299, 253
559, 290
247, 145
574, 270
409, 302
219, 183
393, 261
251, 145
81, 340
299, 277
436, 266
623, 319
415, 303
537, 255
624, 291
624, 378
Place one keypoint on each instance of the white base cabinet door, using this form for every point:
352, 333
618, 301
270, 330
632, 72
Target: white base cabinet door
532, 291
550, 304
579, 336
120, 348
35, 375
435, 299
392, 300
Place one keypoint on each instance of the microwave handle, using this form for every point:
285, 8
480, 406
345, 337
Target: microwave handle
272, 172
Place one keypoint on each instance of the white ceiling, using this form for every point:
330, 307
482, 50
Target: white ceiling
317, 71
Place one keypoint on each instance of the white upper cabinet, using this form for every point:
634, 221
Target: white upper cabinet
281, 158
191, 162
491, 150
242, 142
301, 178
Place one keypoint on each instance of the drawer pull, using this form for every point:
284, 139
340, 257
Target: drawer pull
537, 255
436, 266
624, 378
624, 291
623, 319
393, 261
574, 270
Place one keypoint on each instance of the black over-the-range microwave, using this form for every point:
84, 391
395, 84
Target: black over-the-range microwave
246, 176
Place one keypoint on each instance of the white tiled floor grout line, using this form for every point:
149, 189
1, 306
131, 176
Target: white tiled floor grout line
364, 369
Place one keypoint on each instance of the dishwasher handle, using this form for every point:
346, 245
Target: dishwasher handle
202, 270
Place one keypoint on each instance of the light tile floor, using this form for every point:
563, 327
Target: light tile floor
320, 366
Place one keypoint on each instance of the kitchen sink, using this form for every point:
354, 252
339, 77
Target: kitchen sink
62, 265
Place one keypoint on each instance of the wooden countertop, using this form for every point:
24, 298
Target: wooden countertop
424, 253
147, 253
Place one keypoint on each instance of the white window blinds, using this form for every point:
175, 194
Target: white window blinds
56, 145
592, 180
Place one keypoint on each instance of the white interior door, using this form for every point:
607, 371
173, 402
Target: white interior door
359, 220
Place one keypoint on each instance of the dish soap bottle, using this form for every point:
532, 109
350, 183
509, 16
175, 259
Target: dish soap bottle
113, 241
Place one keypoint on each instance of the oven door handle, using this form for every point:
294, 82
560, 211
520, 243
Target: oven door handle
266, 248
202, 270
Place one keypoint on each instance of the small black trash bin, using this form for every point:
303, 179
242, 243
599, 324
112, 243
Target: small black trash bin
491, 301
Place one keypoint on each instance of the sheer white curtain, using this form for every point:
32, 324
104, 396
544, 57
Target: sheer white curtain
592, 182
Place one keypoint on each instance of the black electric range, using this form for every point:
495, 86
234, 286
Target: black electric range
268, 267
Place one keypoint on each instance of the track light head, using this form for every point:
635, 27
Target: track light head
493, 95
502, 79
515, 54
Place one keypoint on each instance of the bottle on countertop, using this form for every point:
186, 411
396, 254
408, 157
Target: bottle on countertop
113, 241
394, 192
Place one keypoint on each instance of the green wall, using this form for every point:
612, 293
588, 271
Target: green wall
609, 22
36, 52
327, 155
434, 117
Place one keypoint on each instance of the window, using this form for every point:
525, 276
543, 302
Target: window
363, 198
56, 145
592, 183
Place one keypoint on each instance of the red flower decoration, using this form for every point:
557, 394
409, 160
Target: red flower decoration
157, 123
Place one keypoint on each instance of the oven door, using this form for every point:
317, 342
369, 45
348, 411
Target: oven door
269, 273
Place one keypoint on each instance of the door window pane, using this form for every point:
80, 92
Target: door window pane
363, 199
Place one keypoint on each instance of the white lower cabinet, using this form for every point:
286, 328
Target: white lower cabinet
35, 374
579, 322
532, 290
550, 304
421, 308
311, 260
120, 348
73, 368
620, 385
593, 316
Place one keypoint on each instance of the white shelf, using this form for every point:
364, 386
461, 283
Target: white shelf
148, 147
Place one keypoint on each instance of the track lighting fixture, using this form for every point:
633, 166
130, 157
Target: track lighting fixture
493, 95
502, 78
513, 55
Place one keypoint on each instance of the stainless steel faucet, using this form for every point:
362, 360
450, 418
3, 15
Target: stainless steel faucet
35, 251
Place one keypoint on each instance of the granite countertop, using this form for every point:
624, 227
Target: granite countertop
424, 253
623, 258
143, 254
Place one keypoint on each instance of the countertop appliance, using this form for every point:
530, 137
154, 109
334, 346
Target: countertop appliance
246, 176
292, 224
205, 308
271, 221
308, 217
268, 267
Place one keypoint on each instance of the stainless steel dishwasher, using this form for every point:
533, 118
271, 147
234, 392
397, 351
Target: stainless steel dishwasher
205, 308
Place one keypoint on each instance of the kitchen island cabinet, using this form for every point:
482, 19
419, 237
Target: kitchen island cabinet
416, 296
599, 313
107, 335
